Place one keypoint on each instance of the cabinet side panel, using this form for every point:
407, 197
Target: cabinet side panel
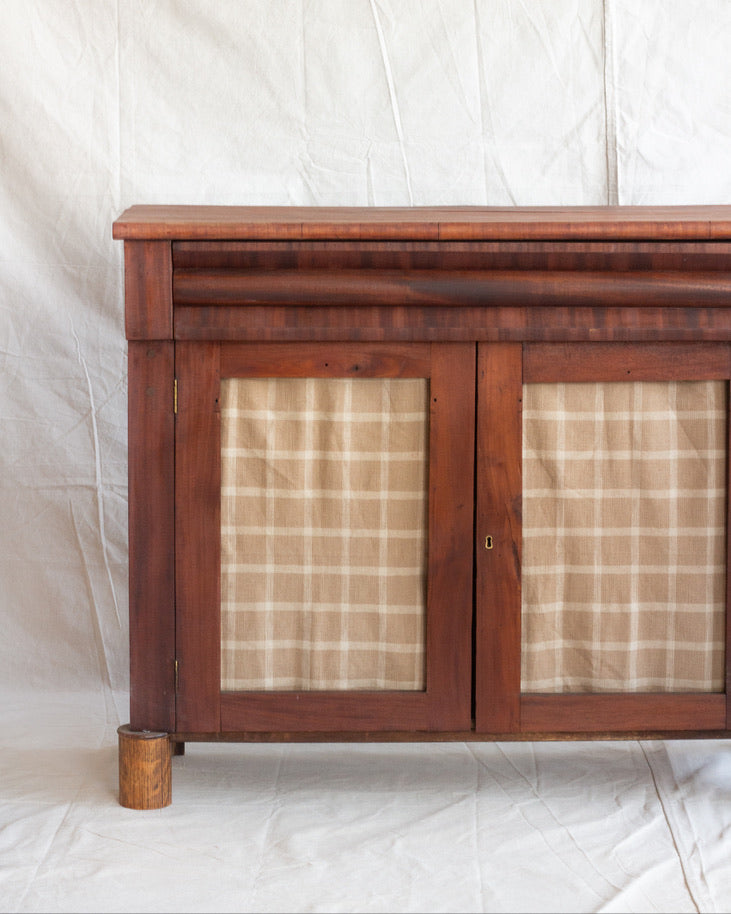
151, 536
498, 537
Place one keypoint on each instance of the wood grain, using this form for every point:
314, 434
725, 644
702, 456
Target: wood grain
498, 497
198, 536
323, 360
425, 223
610, 712
145, 772
728, 562
410, 323
442, 736
451, 520
597, 362
151, 449
148, 292
544, 288
311, 712
547, 294
446, 702
593, 256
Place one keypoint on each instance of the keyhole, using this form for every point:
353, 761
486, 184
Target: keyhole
488, 542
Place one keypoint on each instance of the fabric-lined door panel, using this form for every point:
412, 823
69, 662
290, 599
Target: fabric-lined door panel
324, 547
614, 507
324, 533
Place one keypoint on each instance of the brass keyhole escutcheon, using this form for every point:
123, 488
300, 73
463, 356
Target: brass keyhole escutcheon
488, 542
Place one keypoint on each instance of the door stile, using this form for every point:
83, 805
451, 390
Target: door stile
451, 519
198, 537
498, 537
728, 545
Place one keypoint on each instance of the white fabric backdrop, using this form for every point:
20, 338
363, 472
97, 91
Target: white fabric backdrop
107, 103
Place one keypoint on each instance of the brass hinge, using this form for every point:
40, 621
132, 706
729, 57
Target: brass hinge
177, 670
175, 396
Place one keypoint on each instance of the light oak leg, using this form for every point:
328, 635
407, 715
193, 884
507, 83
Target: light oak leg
145, 771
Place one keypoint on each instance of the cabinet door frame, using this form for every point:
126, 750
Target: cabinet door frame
500, 707
446, 702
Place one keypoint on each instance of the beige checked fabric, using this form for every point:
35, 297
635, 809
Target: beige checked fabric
324, 533
624, 499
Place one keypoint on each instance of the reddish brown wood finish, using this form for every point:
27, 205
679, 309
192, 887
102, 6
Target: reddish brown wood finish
444, 736
587, 293
425, 223
592, 256
556, 362
498, 498
197, 536
728, 562
313, 711
148, 290
451, 520
323, 360
203, 288
446, 702
151, 444
605, 713
456, 324
145, 775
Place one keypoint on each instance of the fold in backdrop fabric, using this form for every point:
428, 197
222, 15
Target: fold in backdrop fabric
107, 103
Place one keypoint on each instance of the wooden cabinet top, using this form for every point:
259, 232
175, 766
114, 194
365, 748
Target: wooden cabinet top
452, 223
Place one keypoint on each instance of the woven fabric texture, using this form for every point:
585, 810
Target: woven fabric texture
324, 533
624, 540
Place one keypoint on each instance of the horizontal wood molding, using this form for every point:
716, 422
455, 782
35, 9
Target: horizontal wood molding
323, 360
259, 711
425, 223
595, 256
625, 711
436, 736
544, 288
411, 323
573, 362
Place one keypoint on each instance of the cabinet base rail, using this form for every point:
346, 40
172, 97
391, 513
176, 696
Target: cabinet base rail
145, 769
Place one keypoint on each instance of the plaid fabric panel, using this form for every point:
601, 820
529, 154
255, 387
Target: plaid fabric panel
324, 533
624, 572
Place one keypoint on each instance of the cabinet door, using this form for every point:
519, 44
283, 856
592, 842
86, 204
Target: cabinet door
602, 481
324, 510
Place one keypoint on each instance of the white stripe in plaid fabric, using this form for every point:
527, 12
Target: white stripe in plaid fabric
624, 498
323, 533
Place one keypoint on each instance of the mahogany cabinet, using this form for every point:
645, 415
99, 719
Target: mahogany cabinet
424, 474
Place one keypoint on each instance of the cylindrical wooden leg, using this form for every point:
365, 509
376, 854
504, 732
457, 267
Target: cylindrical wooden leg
145, 771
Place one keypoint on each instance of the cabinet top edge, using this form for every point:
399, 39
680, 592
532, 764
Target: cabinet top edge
441, 223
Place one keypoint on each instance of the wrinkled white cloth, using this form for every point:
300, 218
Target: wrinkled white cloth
564, 826
107, 103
